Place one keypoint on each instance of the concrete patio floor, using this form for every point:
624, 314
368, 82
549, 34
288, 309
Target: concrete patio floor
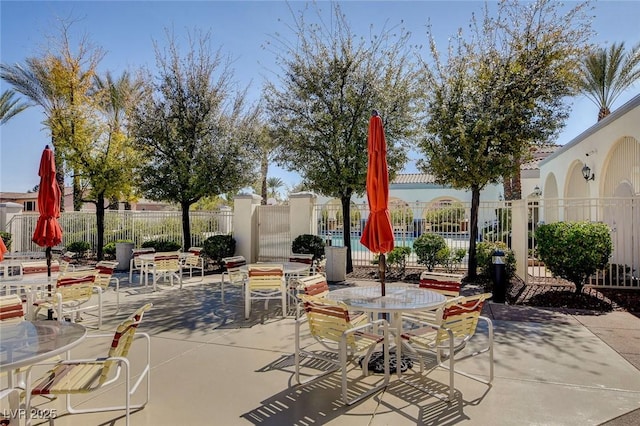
211, 367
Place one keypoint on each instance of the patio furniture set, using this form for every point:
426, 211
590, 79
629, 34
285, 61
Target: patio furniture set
344, 327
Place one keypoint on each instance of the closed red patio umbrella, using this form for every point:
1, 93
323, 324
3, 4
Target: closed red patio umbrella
3, 249
377, 235
48, 232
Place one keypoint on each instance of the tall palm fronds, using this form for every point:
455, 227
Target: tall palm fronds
9, 107
607, 73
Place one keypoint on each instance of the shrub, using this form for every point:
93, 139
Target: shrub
397, 258
484, 255
6, 237
428, 248
574, 250
160, 245
450, 258
309, 244
217, 247
79, 247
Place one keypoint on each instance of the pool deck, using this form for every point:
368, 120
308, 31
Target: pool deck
210, 366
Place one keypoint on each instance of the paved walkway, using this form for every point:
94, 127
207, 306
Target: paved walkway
210, 366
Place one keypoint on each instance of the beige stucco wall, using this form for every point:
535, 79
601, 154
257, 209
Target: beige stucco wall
611, 149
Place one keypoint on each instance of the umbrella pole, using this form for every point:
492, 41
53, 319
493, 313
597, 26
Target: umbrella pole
382, 266
48, 254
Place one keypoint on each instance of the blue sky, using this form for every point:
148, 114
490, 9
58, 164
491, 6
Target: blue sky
126, 30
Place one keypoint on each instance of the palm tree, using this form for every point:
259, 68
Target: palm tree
9, 107
274, 183
607, 73
32, 80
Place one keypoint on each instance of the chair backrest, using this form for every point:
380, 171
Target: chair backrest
445, 284
105, 270
65, 261
169, 261
301, 258
265, 276
232, 265
460, 315
123, 338
195, 250
77, 286
39, 266
314, 285
328, 319
137, 252
11, 309
193, 256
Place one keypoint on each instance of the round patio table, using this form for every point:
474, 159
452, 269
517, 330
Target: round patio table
399, 298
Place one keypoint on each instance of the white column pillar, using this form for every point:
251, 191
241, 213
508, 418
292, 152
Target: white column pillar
301, 214
245, 225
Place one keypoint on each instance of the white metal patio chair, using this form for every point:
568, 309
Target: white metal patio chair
80, 376
72, 292
166, 264
265, 282
455, 325
233, 273
136, 264
331, 326
193, 260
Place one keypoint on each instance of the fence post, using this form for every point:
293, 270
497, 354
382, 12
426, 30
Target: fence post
520, 236
301, 209
245, 226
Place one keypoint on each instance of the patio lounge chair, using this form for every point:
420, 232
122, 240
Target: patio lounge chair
76, 376
455, 325
330, 325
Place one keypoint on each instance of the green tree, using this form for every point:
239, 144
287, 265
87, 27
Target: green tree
10, 107
607, 73
320, 105
193, 129
498, 94
105, 164
574, 250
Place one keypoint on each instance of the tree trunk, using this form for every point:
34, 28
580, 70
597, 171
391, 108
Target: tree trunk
77, 194
346, 229
473, 233
186, 226
604, 111
264, 169
100, 225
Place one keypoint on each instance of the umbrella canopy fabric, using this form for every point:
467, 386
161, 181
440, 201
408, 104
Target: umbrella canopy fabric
48, 232
3, 249
378, 233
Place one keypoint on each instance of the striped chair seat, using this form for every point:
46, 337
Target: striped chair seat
136, 264
456, 324
331, 326
87, 375
233, 273
72, 291
265, 282
166, 264
193, 260
11, 309
39, 267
